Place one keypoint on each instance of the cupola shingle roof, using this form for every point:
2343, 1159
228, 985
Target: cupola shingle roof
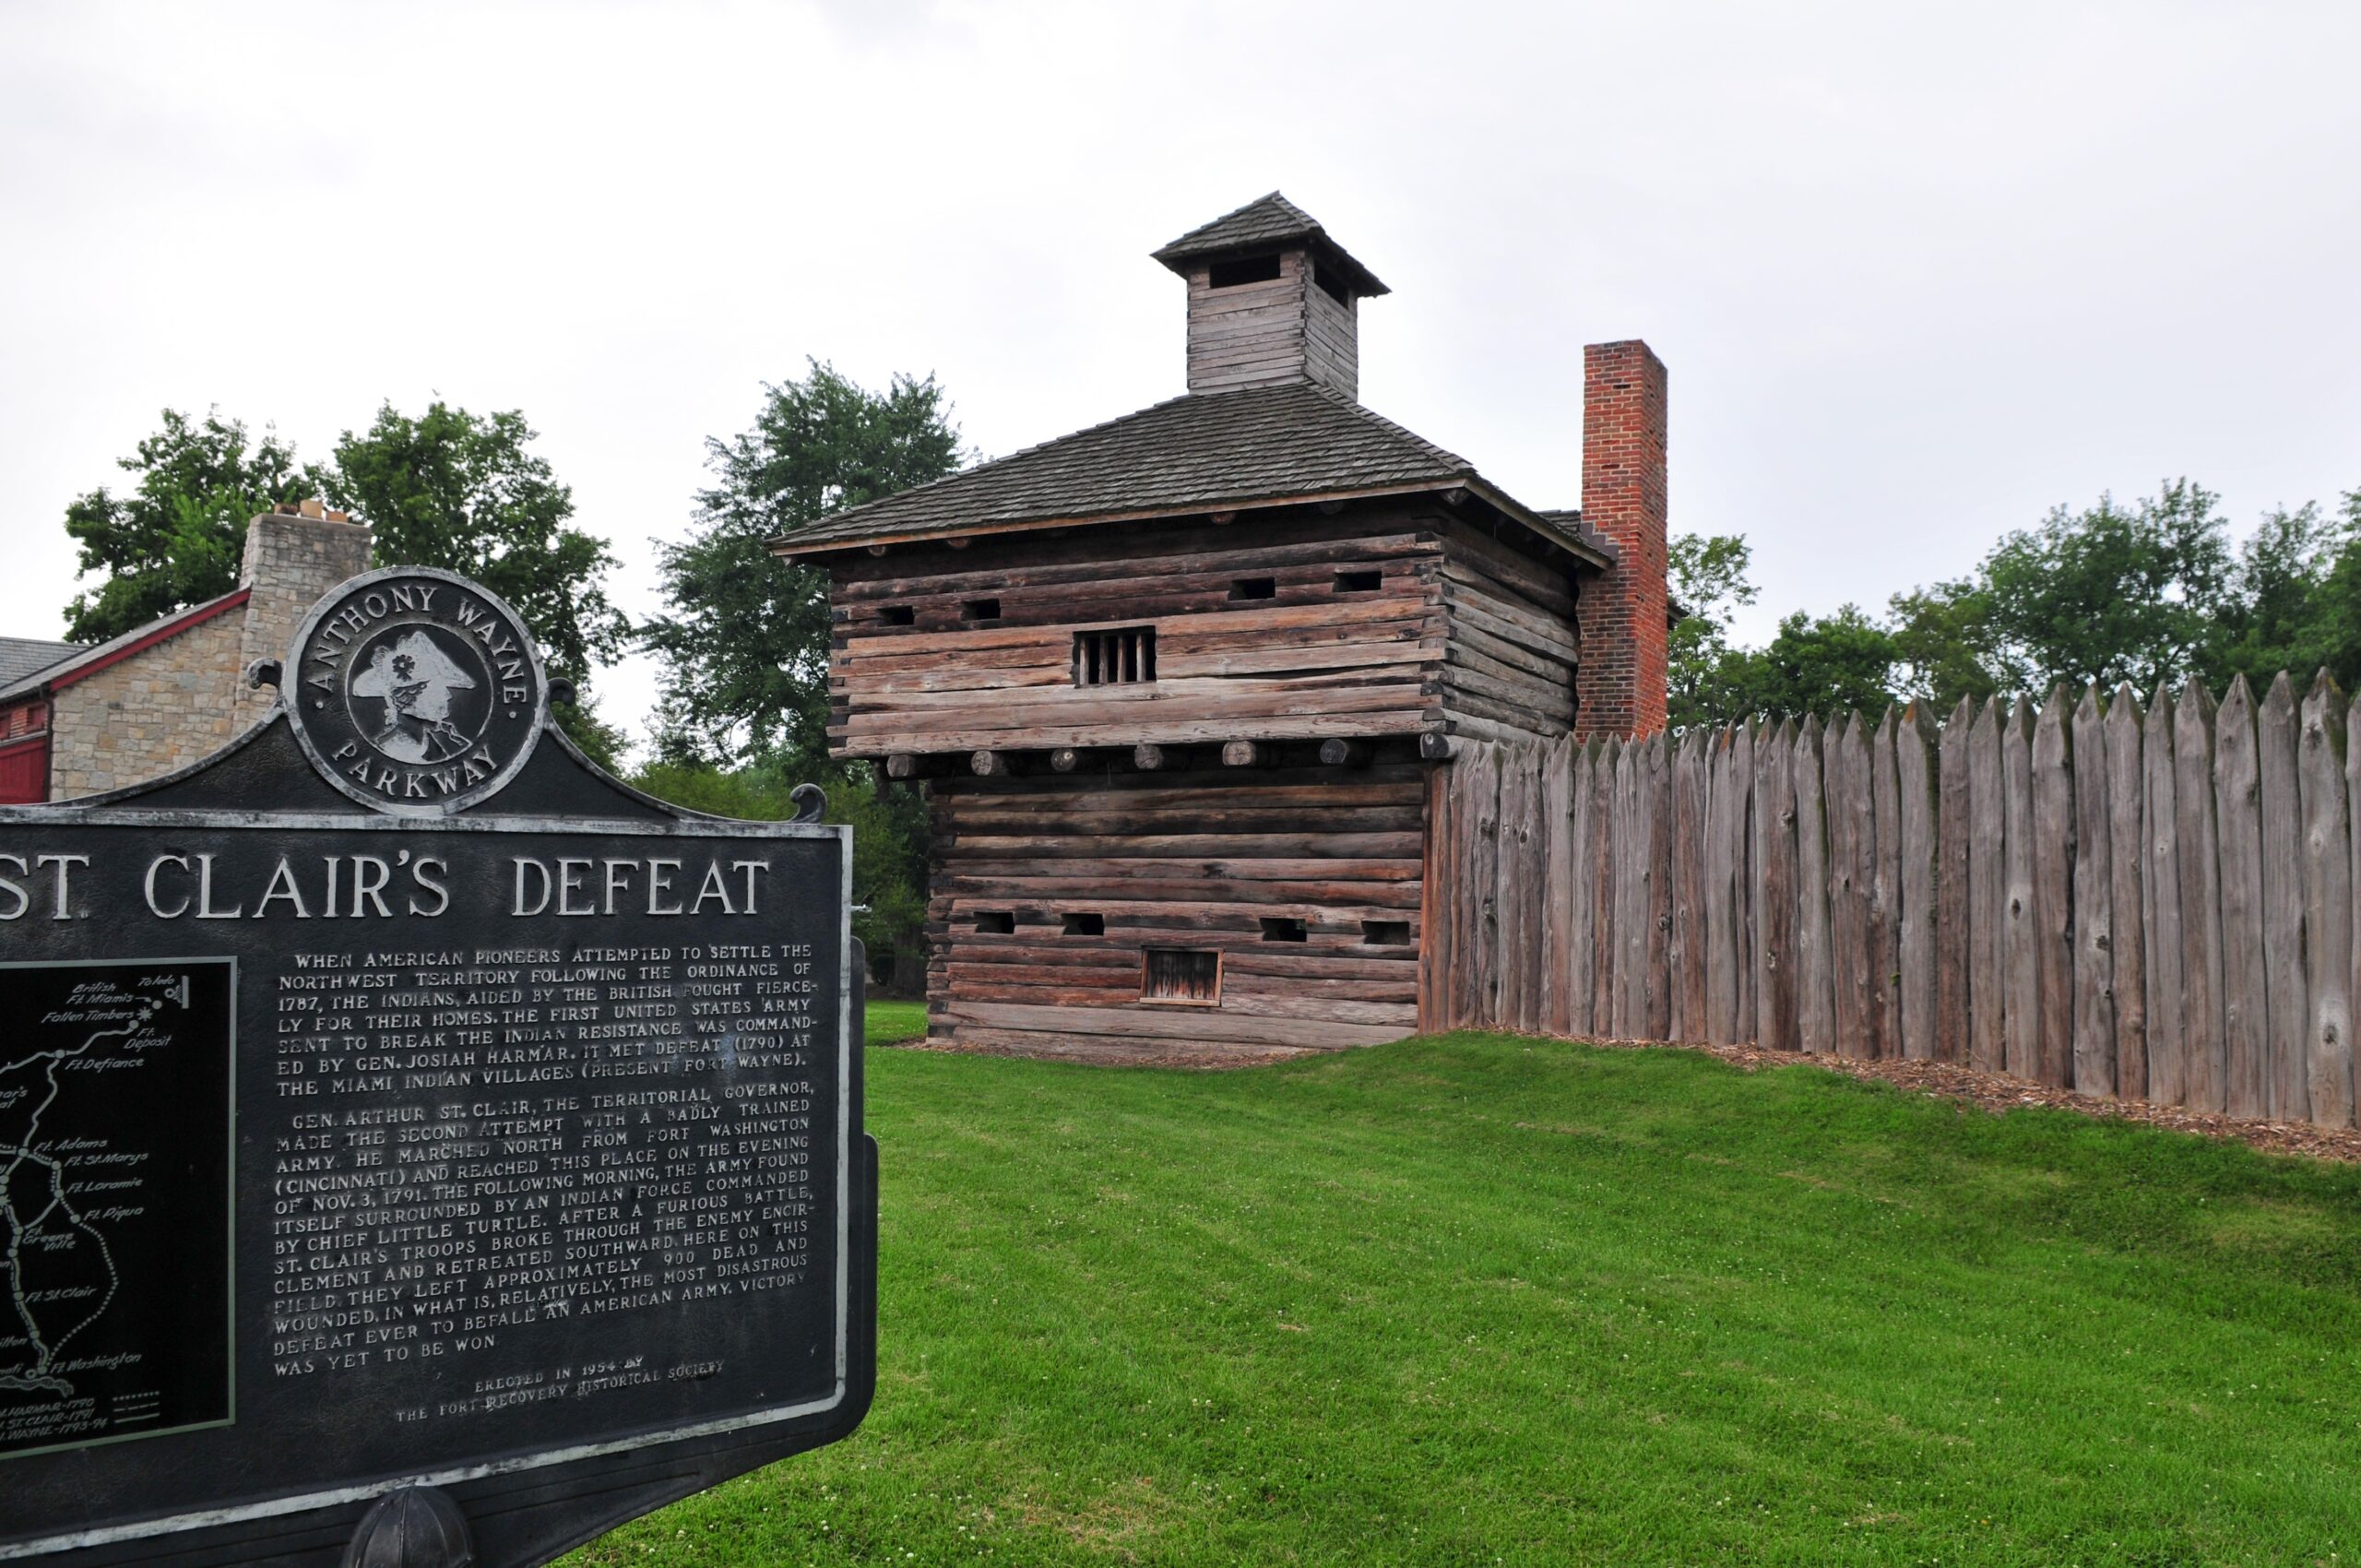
1261, 224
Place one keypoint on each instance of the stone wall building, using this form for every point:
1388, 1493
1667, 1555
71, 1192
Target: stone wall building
163, 696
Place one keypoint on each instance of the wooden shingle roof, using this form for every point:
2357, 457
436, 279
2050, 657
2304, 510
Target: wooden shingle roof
1262, 223
1201, 453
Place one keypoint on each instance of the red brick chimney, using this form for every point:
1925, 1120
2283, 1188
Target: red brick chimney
1620, 688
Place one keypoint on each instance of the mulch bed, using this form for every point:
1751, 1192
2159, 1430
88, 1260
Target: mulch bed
1993, 1092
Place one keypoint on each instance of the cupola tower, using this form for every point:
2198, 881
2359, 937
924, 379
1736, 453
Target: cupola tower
1271, 299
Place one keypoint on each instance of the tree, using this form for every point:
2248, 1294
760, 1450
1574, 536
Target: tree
2298, 598
1811, 666
460, 492
178, 535
2334, 610
456, 491
2113, 594
888, 866
1946, 644
745, 643
1825, 665
1709, 580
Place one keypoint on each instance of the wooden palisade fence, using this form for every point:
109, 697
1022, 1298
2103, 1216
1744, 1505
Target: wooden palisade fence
2157, 903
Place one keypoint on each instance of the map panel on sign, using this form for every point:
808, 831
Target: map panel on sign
115, 1096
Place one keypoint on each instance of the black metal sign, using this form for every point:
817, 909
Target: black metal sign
479, 1169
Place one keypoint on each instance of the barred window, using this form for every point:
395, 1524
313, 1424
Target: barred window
1120, 657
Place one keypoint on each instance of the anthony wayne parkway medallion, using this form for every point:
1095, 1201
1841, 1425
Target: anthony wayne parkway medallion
415, 691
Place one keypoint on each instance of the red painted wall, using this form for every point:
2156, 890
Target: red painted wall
24, 771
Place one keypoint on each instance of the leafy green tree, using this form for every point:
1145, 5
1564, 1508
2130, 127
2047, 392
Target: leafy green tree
745, 643
888, 865
176, 536
1946, 645
2299, 598
2333, 615
1811, 666
1709, 580
458, 491
744, 646
2113, 594
1816, 665
461, 492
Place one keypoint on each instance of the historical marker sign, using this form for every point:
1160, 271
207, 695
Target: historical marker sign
393, 1100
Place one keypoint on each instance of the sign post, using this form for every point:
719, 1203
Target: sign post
418, 1147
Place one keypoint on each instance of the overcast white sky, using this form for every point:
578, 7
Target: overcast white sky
1919, 275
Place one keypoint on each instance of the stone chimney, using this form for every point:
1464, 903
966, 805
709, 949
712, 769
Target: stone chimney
1271, 301
293, 556
1622, 614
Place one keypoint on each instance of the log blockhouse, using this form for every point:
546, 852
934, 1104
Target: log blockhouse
1179, 686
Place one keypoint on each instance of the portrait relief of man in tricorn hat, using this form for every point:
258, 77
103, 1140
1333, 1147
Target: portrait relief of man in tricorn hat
414, 678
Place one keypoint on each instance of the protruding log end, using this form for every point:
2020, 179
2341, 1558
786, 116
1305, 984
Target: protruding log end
1065, 759
989, 765
1435, 746
1345, 754
1244, 753
1148, 758
901, 764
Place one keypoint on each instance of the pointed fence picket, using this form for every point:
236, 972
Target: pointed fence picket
2158, 901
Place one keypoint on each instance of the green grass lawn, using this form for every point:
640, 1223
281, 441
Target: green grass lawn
1478, 1301
891, 1021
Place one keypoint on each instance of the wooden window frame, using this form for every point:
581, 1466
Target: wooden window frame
1147, 955
1238, 272
1128, 651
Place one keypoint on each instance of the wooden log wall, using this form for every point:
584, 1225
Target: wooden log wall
1048, 891
1271, 329
2153, 901
1391, 619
